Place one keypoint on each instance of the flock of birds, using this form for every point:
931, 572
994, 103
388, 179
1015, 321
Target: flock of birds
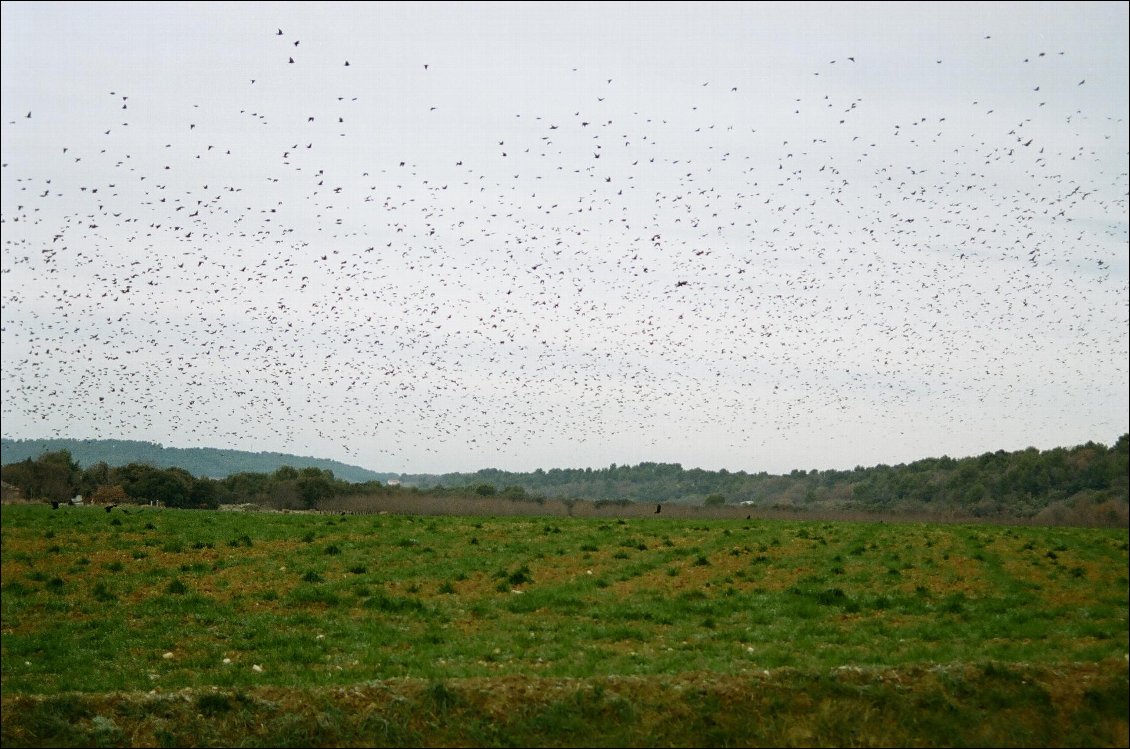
303, 277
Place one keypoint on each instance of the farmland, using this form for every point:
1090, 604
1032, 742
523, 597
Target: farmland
174, 627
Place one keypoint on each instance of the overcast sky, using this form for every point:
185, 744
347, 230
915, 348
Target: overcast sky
444, 237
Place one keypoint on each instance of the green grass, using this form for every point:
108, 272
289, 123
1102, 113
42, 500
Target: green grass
170, 600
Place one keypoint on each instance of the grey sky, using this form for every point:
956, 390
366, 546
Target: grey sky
750, 236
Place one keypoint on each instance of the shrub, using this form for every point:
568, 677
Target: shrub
102, 594
213, 704
520, 576
392, 604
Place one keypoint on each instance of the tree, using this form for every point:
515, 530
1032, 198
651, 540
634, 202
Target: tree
165, 486
313, 488
93, 477
109, 494
52, 476
285, 473
204, 494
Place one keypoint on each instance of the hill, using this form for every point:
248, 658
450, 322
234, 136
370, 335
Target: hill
206, 462
1054, 485
1087, 484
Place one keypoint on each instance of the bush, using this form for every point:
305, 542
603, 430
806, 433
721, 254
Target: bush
520, 576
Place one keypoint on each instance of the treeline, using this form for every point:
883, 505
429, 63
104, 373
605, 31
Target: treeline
58, 477
198, 461
1088, 484
1089, 478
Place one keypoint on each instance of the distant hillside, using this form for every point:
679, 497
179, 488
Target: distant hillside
1081, 481
199, 461
1087, 484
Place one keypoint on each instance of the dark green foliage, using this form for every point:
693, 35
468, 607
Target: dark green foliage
102, 593
213, 704
1085, 485
520, 576
381, 601
51, 476
202, 461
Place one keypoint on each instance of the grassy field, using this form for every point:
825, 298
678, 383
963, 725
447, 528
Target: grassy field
164, 627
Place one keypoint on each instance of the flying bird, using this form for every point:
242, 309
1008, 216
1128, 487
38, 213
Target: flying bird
518, 294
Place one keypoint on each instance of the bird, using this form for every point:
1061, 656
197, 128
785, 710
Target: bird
658, 509
524, 292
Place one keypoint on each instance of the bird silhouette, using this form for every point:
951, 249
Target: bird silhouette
445, 277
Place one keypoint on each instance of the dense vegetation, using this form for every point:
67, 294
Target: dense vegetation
198, 461
56, 477
1087, 485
